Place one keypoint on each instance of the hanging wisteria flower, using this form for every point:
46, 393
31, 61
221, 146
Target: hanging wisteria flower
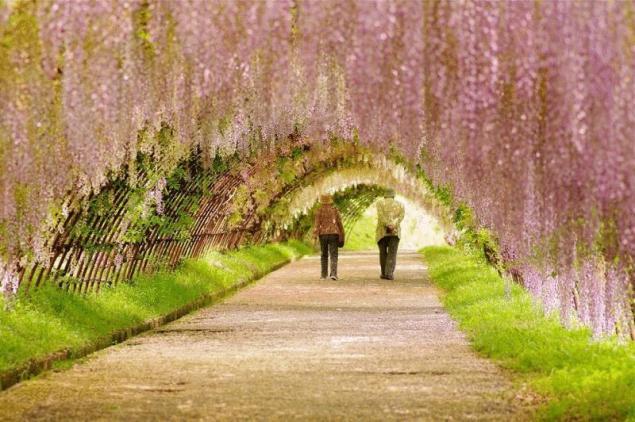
523, 109
9, 281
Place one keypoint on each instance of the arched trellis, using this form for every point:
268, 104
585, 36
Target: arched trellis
351, 202
377, 172
92, 246
355, 204
355, 188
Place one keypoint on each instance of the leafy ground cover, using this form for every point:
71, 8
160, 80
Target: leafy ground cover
583, 378
51, 319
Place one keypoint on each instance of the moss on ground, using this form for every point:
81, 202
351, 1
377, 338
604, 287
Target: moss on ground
584, 379
51, 319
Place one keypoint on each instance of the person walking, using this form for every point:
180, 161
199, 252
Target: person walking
390, 213
329, 229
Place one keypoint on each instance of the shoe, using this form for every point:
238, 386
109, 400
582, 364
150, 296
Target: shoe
389, 277
383, 277
334, 277
322, 278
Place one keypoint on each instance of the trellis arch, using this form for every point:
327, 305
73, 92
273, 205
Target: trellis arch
219, 206
380, 172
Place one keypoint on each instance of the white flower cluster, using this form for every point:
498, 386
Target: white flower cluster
9, 281
155, 195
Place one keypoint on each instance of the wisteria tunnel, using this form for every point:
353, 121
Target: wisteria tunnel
197, 208
138, 134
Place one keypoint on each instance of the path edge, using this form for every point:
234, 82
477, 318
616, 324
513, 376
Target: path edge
40, 365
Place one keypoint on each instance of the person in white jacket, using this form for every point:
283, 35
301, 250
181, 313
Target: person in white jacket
390, 213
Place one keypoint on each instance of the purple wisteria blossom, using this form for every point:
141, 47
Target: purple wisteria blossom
523, 108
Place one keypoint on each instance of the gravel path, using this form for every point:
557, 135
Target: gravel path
290, 346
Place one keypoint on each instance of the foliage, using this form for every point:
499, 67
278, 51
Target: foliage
51, 319
584, 379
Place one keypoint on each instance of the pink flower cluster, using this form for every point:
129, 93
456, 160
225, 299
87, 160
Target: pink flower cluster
522, 107
528, 118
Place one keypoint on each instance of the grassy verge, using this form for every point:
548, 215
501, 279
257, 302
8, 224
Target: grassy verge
51, 320
362, 237
583, 379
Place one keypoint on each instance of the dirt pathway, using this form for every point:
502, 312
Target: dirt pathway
291, 346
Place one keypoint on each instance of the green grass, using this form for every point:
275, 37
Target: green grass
582, 378
51, 319
362, 236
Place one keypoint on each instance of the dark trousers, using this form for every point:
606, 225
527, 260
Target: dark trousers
328, 244
388, 255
